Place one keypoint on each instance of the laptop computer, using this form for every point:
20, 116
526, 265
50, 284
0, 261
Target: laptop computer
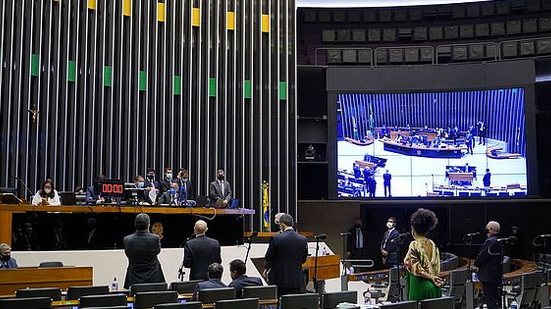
68, 198
9, 198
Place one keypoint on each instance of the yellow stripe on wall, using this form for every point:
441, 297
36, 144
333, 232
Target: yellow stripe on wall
161, 13
230, 17
265, 23
92, 4
127, 7
195, 17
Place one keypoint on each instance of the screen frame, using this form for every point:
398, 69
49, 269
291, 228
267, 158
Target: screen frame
433, 78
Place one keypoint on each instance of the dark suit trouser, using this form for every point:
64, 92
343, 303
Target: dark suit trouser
387, 187
491, 294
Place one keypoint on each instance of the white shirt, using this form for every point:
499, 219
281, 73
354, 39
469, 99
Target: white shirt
37, 199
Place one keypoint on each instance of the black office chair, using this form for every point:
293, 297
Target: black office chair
102, 300
261, 292
26, 303
184, 287
331, 300
190, 305
457, 288
243, 303
53, 293
76, 292
401, 305
150, 299
211, 296
437, 303
529, 284
299, 301
50, 264
147, 287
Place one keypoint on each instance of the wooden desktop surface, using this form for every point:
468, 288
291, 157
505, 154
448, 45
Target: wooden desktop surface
12, 280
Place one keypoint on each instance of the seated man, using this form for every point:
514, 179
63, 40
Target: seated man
240, 280
171, 196
215, 271
6, 261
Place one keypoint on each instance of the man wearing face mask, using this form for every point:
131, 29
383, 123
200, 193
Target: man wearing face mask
6, 261
167, 180
357, 245
152, 187
137, 196
186, 197
171, 196
220, 191
388, 246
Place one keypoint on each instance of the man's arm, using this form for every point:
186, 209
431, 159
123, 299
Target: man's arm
483, 255
227, 198
305, 252
187, 256
270, 253
212, 192
219, 256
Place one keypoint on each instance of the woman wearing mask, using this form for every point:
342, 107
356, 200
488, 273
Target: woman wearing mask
423, 259
47, 195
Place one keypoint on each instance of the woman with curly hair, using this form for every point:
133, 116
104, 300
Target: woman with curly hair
423, 259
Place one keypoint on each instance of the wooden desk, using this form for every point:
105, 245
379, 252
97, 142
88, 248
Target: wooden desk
460, 176
7, 211
272, 234
328, 267
36, 277
75, 303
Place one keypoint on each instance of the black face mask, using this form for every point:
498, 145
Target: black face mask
358, 225
150, 177
220, 177
5, 257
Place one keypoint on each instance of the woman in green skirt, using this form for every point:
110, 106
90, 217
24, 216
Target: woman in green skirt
423, 259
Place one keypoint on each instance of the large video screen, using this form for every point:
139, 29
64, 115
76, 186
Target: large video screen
432, 144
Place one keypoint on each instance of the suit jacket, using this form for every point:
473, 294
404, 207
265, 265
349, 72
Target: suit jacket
165, 185
165, 198
188, 187
352, 239
91, 196
11, 263
489, 261
209, 284
487, 179
240, 282
390, 247
286, 254
216, 194
142, 249
199, 253
387, 177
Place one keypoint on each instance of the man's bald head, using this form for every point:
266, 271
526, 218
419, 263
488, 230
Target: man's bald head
277, 216
493, 228
200, 227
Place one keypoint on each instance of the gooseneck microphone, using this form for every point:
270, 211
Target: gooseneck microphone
400, 237
321, 236
473, 234
346, 234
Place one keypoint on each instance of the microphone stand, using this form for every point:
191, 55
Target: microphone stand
399, 243
316, 266
343, 236
24, 186
249, 247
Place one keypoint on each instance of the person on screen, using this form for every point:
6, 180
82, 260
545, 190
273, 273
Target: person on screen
47, 195
372, 186
386, 183
469, 141
6, 260
487, 179
366, 174
481, 128
220, 191
357, 171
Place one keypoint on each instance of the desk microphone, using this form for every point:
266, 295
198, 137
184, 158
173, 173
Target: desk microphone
346, 234
321, 236
473, 234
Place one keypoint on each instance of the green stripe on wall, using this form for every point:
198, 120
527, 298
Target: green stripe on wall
177, 85
107, 76
71, 71
247, 89
283, 90
142, 81
35, 65
212, 87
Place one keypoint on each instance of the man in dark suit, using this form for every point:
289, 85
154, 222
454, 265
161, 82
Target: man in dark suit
388, 247
185, 188
357, 244
215, 271
152, 187
6, 261
239, 279
167, 180
142, 249
486, 180
93, 238
489, 263
201, 252
386, 183
286, 254
481, 128
93, 197
171, 196
220, 191
469, 141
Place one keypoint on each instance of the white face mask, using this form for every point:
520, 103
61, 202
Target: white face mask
389, 225
48, 191
168, 176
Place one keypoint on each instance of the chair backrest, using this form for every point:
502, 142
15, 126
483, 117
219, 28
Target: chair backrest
183, 287
437, 303
331, 300
150, 299
261, 292
457, 284
26, 303
529, 284
102, 300
50, 264
76, 292
210, 296
53, 293
400, 305
243, 303
299, 301
190, 305
147, 287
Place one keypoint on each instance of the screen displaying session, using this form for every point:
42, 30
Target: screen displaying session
468, 143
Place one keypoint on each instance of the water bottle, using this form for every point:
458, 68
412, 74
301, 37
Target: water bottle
367, 297
513, 304
115, 285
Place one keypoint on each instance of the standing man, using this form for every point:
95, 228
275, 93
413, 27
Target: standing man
469, 141
186, 188
388, 247
142, 249
286, 254
481, 133
6, 261
489, 263
220, 191
486, 180
152, 187
386, 183
201, 252
357, 243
